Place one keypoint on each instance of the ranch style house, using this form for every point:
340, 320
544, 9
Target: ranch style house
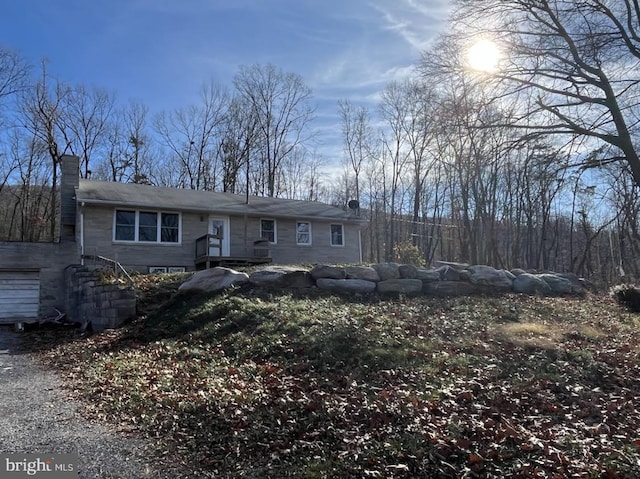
155, 229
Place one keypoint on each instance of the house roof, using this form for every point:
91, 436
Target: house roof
145, 196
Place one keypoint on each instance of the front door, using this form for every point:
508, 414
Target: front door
219, 236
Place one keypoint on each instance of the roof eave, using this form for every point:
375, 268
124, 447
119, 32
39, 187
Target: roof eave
124, 204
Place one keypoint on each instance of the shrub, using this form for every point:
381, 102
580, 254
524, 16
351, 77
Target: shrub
627, 295
407, 253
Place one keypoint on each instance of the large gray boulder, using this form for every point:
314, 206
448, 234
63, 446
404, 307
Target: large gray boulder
428, 275
528, 283
580, 284
447, 273
362, 272
354, 286
406, 286
408, 271
558, 284
213, 279
326, 271
453, 288
453, 265
488, 276
282, 277
387, 270
509, 274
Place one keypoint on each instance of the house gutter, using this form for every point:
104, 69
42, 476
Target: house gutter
82, 233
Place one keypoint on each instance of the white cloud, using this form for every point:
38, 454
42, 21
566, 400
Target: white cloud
416, 22
385, 43
386, 50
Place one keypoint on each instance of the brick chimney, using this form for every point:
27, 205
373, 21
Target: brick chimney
69, 181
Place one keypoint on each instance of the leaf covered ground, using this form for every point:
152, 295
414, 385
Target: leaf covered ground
255, 384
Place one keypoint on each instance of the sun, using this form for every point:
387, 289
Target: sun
483, 56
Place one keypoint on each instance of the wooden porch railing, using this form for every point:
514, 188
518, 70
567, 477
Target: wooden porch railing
261, 253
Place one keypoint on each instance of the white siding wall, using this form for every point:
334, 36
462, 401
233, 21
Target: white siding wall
98, 240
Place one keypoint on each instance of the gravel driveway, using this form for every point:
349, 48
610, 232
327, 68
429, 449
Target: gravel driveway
36, 417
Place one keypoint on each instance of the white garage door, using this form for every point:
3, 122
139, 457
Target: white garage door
19, 295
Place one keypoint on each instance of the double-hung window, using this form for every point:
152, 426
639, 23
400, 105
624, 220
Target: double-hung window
125, 225
303, 233
169, 228
268, 230
337, 235
146, 226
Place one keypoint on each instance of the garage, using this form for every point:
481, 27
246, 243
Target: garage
19, 295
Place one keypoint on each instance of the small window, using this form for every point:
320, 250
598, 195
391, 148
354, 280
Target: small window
217, 229
157, 269
268, 230
303, 232
125, 225
337, 235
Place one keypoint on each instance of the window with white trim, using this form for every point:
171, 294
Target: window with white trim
337, 235
303, 233
146, 226
268, 230
125, 226
169, 227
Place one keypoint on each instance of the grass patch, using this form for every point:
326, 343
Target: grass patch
311, 385
541, 335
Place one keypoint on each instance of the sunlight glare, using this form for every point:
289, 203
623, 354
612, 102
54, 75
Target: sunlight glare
484, 56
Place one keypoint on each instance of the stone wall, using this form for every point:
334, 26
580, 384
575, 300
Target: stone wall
447, 279
99, 305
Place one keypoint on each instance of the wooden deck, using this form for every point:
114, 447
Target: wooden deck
207, 243
206, 262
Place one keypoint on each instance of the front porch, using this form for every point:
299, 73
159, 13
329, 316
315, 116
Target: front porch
209, 254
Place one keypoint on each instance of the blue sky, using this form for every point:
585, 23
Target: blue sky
160, 52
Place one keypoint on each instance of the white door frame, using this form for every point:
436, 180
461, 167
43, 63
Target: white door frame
223, 249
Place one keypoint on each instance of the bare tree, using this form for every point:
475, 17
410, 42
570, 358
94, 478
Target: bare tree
357, 137
7, 168
299, 177
418, 125
29, 200
14, 75
138, 141
84, 123
394, 111
191, 136
625, 199
579, 57
280, 104
42, 111
238, 143
126, 152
